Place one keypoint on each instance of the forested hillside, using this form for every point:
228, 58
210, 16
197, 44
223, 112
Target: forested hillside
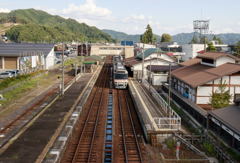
80, 31
185, 38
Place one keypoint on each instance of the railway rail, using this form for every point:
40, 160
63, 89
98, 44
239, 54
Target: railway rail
132, 152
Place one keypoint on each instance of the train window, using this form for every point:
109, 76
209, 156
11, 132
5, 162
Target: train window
121, 76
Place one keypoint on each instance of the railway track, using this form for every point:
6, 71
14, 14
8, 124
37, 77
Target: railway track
30, 110
86, 145
98, 136
130, 143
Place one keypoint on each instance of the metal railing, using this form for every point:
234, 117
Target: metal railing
173, 121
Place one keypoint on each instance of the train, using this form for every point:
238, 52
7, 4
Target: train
120, 73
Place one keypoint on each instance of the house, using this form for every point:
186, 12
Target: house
152, 56
23, 56
199, 77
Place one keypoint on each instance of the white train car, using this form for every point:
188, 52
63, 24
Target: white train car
120, 73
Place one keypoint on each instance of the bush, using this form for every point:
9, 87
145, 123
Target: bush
10, 81
209, 148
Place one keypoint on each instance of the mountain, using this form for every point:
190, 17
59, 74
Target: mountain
227, 38
121, 36
32, 16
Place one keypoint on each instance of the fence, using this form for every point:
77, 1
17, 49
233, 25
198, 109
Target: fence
172, 122
192, 109
223, 156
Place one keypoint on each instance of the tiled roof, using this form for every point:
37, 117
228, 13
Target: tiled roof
196, 74
215, 55
149, 52
229, 116
162, 67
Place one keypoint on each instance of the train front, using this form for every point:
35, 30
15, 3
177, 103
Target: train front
121, 79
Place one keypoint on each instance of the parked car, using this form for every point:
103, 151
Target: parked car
14, 72
5, 75
59, 62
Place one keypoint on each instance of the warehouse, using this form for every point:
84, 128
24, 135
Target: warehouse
23, 56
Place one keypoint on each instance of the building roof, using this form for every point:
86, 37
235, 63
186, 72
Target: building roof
202, 51
149, 52
196, 74
215, 55
13, 49
229, 116
95, 57
135, 60
89, 62
162, 67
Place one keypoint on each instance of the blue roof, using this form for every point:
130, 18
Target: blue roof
149, 52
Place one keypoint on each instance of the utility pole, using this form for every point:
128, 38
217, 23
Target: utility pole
204, 44
81, 56
143, 63
150, 75
76, 61
169, 90
62, 70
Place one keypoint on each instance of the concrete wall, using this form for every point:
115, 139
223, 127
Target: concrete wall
191, 50
49, 60
157, 79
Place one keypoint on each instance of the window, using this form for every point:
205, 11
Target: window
237, 96
186, 90
209, 61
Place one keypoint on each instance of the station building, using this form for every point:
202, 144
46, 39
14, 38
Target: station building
125, 51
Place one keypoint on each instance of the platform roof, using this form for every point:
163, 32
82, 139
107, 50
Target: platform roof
229, 116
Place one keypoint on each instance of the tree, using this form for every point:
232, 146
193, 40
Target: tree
237, 49
211, 47
194, 41
220, 40
148, 35
202, 40
214, 37
221, 97
155, 39
166, 38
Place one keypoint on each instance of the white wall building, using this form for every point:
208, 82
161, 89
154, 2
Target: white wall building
191, 50
200, 76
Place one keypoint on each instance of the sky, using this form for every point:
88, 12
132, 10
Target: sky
132, 16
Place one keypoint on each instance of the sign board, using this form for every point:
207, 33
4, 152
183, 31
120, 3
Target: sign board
176, 53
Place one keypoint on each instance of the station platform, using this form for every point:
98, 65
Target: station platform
154, 115
33, 142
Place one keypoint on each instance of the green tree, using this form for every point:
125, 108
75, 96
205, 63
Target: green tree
220, 40
221, 97
148, 35
202, 40
141, 38
214, 37
211, 47
166, 38
194, 41
155, 39
236, 49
